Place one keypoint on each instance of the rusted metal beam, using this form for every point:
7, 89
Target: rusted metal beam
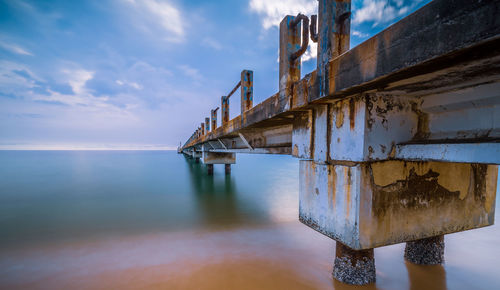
246, 91
213, 116
333, 37
234, 89
207, 125
289, 68
224, 110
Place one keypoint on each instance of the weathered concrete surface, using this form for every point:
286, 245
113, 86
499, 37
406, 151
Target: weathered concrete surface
367, 205
429, 251
289, 69
441, 29
354, 267
218, 158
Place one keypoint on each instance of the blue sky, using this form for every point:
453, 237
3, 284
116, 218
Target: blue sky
142, 73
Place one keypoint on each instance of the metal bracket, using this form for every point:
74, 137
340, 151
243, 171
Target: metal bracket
245, 141
222, 143
305, 35
313, 29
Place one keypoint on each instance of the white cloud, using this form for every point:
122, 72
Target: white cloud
274, 11
210, 42
311, 52
381, 11
15, 48
190, 72
77, 79
130, 84
359, 33
14, 83
135, 85
152, 14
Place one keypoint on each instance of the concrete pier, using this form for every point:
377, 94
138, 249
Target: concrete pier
398, 138
429, 251
354, 267
227, 168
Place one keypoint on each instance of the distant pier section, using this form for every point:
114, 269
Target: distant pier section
397, 138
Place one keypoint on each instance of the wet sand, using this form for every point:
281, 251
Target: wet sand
282, 256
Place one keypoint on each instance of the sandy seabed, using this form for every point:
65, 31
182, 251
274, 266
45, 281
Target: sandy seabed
284, 256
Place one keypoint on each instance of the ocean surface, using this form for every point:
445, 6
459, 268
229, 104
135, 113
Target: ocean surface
156, 220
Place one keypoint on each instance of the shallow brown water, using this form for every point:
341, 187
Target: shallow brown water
284, 256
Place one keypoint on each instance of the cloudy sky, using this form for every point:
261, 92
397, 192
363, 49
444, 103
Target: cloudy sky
143, 73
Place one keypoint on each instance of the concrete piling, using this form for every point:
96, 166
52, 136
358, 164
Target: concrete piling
354, 267
227, 168
429, 251
210, 169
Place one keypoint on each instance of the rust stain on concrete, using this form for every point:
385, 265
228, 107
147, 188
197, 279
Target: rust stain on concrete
332, 179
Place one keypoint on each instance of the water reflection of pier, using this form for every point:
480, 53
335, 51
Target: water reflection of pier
217, 199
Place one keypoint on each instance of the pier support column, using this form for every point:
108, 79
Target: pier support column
429, 251
197, 159
210, 158
354, 267
210, 169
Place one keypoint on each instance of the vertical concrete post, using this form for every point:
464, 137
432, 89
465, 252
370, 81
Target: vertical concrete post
210, 169
246, 91
354, 267
202, 129
207, 125
224, 110
333, 36
429, 251
213, 115
227, 168
289, 70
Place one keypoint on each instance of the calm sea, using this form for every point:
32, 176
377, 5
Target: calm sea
155, 219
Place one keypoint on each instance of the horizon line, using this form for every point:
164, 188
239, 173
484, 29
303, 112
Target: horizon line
86, 148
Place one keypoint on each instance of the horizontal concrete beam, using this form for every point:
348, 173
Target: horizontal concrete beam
275, 150
488, 153
369, 205
218, 158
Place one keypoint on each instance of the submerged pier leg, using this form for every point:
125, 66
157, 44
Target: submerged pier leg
429, 251
354, 267
210, 169
227, 168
